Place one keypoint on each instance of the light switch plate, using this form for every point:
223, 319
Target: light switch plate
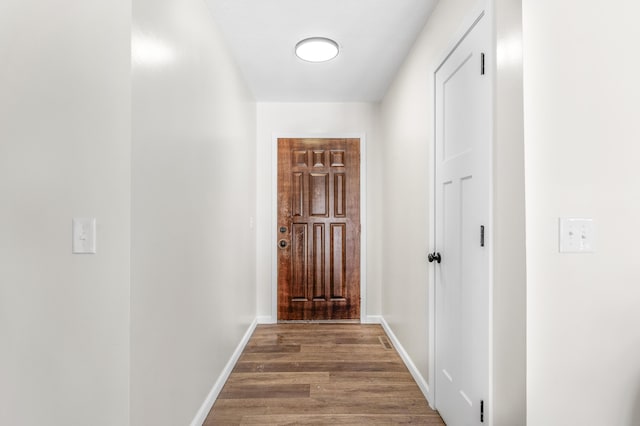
577, 235
84, 235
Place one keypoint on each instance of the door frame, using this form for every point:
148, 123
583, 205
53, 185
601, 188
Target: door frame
484, 8
364, 318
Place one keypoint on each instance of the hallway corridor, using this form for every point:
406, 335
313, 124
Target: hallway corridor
320, 374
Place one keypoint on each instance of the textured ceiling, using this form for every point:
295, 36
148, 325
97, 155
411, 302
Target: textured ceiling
374, 38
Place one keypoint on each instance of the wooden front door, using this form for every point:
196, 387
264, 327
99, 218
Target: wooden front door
318, 229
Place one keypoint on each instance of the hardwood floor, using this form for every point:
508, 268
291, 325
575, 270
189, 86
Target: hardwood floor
320, 374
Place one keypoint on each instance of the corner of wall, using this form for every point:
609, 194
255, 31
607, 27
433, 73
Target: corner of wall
509, 271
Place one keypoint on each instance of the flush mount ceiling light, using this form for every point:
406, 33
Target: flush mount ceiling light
317, 49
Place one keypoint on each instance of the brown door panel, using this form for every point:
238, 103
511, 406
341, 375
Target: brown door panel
319, 212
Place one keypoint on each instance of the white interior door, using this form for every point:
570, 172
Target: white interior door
462, 211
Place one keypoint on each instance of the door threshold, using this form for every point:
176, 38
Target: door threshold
345, 321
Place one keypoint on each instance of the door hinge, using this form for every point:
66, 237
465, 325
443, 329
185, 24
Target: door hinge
481, 235
481, 411
482, 64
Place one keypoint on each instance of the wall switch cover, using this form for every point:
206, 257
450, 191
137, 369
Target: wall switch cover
577, 235
84, 235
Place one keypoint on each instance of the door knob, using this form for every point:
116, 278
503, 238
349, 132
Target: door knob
434, 257
283, 243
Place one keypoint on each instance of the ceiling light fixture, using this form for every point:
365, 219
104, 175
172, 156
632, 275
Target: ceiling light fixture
317, 49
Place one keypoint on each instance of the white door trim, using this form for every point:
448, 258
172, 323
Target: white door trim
363, 215
482, 8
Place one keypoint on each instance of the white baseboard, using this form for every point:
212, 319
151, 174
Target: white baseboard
372, 319
422, 383
201, 416
267, 320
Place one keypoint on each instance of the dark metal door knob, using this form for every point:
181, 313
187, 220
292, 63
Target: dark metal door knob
434, 257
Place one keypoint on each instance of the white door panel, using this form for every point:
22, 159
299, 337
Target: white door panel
462, 206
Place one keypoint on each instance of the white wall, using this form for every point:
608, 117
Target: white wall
64, 152
193, 250
407, 123
290, 119
582, 130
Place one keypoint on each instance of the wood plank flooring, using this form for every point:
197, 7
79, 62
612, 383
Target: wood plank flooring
320, 374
